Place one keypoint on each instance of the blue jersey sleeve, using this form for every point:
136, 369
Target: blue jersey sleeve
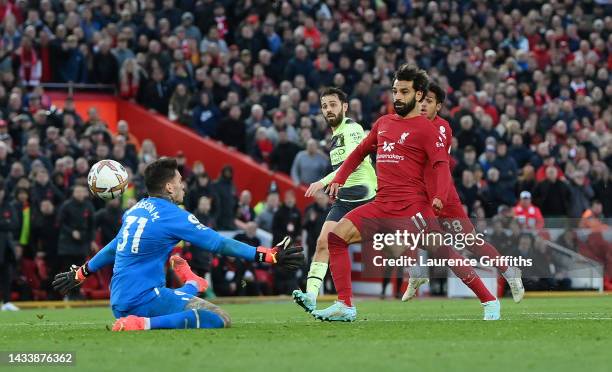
187, 227
105, 256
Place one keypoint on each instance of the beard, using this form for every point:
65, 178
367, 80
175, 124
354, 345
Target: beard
334, 120
403, 109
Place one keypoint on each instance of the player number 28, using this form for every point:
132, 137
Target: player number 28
129, 221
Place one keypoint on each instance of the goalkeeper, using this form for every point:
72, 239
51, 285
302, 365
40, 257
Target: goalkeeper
359, 189
149, 231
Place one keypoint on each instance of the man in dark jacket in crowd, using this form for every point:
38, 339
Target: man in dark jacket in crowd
496, 193
226, 192
202, 187
44, 233
581, 194
76, 224
281, 158
108, 220
506, 165
287, 221
206, 116
232, 130
8, 223
44, 189
552, 195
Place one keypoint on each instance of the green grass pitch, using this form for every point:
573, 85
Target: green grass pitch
556, 334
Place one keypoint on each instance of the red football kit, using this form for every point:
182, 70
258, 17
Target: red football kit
453, 217
404, 149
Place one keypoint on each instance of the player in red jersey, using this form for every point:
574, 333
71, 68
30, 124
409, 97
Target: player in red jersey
405, 143
452, 216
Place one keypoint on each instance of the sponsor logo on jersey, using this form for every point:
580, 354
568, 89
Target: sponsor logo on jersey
388, 146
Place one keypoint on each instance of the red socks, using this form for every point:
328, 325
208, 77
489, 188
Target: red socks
340, 267
467, 275
487, 250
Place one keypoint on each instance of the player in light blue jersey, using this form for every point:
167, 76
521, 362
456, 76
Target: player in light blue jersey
149, 232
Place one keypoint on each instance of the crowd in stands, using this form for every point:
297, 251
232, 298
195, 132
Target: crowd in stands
528, 100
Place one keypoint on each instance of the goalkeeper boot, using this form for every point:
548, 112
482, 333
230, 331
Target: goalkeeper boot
129, 323
308, 301
513, 277
338, 312
184, 273
413, 286
492, 310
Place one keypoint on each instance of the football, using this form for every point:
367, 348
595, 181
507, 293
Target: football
107, 179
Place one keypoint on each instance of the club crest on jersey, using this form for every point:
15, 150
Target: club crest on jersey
403, 137
388, 146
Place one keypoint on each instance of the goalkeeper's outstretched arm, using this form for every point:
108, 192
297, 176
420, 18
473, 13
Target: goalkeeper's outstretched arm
188, 228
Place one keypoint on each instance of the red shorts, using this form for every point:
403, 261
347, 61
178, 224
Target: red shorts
454, 219
389, 216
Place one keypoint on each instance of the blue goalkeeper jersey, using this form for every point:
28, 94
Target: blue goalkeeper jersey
149, 232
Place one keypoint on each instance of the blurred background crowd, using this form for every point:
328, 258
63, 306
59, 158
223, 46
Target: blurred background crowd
528, 98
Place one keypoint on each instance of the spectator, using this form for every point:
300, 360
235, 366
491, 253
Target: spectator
506, 165
73, 67
314, 217
105, 65
552, 195
310, 165
156, 93
580, 194
76, 224
226, 192
468, 191
232, 130
265, 218
108, 220
204, 212
468, 162
496, 193
130, 77
180, 102
202, 187
43, 189
592, 218
44, 233
287, 220
8, 224
281, 158
206, 117
528, 215
244, 212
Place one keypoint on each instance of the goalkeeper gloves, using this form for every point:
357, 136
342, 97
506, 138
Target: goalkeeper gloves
284, 255
64, 282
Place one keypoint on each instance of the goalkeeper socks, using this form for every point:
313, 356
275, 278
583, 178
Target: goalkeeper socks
186, 319
316, 275
467, 275
487, 249
340, 267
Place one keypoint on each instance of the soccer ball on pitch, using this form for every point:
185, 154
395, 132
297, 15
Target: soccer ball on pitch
107, 179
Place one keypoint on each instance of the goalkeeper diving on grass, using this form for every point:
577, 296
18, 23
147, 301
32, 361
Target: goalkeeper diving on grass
150, 230
359, 189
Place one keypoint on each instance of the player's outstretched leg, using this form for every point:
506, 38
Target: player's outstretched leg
316, 275
512, 275
469, 277
340, 266
198, 313
417, 277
